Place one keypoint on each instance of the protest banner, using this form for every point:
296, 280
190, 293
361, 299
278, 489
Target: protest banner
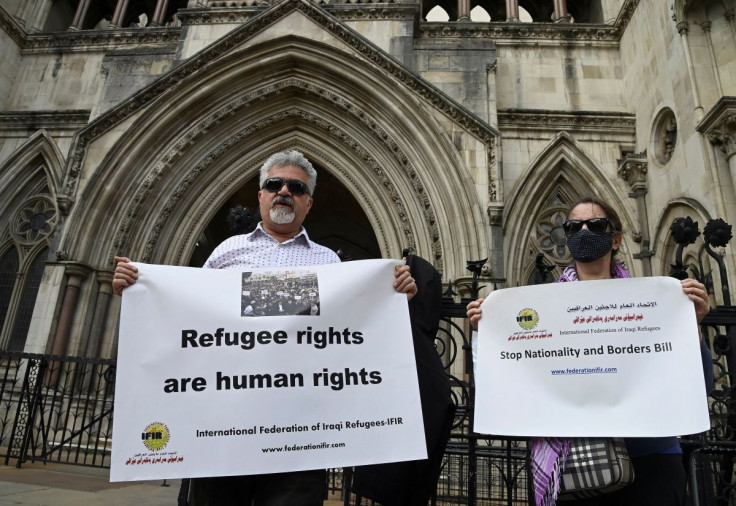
220, 375
595, 358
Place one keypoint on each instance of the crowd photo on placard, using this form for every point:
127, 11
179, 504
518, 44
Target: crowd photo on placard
280, 293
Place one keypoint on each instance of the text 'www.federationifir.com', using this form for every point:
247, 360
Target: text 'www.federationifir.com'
584, 370
301, 448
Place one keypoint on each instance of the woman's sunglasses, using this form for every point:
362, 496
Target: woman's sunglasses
595, 225
274, 185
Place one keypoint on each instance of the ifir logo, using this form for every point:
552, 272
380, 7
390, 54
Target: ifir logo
155, 436
527, 318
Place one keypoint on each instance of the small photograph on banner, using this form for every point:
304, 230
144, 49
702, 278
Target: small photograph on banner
280, 293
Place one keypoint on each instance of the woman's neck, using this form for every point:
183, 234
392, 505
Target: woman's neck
598, 269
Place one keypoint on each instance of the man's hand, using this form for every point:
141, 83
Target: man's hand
125, 275
404, 283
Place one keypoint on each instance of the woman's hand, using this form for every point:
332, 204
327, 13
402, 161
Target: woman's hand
696, 292
474, 312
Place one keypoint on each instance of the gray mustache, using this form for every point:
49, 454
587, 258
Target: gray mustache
282, 199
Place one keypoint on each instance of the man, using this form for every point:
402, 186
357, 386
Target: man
287, 182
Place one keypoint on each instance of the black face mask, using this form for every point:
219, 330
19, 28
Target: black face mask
586, 246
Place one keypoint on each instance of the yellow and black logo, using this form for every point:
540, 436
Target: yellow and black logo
155, 436
527, 318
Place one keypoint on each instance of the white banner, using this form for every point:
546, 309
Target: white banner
216, 377
596, 358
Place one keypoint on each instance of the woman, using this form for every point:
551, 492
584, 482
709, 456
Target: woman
593, 231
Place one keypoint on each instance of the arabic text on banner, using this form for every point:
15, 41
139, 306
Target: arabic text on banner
595, 358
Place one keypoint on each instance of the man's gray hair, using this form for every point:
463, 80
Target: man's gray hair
292, 157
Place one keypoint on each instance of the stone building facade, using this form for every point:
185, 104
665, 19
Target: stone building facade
133, 126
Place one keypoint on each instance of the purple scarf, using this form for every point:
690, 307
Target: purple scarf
549, 454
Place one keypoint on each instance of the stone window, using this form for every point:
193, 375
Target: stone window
524, 15
438, 14
19, 289
542, 11
22, 320
664, 136
479, 15
8, 273
22, 264
100, 14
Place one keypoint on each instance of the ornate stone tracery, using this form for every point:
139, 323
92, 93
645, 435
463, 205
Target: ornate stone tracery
35, 220
549, 234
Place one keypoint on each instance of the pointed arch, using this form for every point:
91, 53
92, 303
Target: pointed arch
29, 186
536, 207
479, 14
437, 14
39, 154
662, 241
440, 11
694, 10
172, 167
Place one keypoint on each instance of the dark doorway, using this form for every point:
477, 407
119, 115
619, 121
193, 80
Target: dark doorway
336, 221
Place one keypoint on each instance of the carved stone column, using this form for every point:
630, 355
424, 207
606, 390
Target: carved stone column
93, 340
714, 64
561, 15
682, 28
80, 15
512, 10
729, 14
118, 17
495, 265
76, 273
463, 10
633, 169
159, 15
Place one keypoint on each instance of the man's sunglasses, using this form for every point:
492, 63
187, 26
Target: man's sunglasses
274, 185
595, 225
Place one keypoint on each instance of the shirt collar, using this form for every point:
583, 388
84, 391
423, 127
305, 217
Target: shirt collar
302, 236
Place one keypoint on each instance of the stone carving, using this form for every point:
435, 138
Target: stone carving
664, 135
633, 169
725, 140
494, 186
719, 125
102, 39
557, 121
10, 26
569, 32
550, 237
187, 139
495, 214
30, 120
35, 220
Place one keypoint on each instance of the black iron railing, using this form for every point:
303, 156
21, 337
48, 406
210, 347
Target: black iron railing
59, 409
56, 409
